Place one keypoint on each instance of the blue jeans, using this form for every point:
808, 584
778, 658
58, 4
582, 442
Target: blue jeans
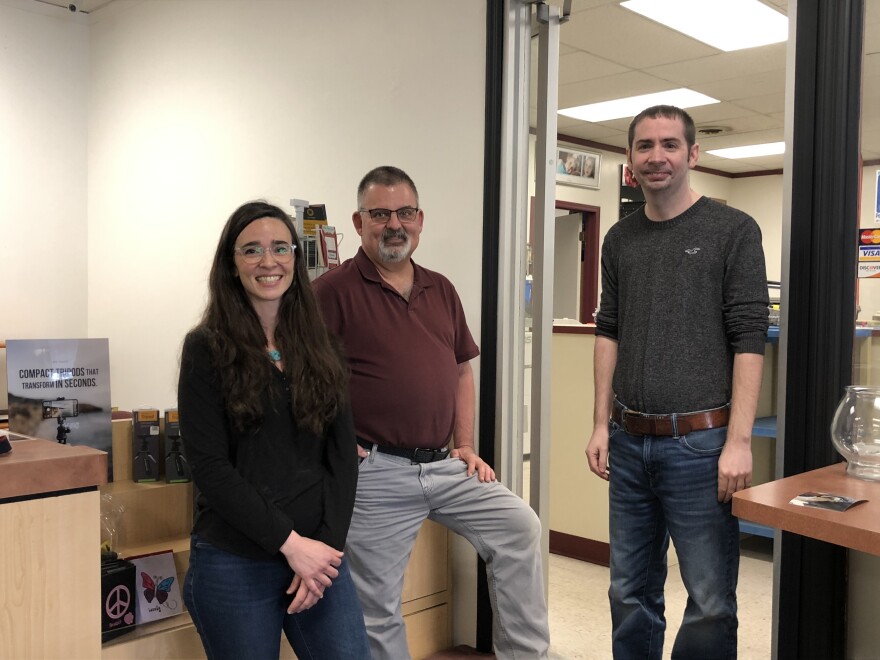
239, 608
662, 487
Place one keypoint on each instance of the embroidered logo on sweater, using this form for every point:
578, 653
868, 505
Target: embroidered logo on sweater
692, 250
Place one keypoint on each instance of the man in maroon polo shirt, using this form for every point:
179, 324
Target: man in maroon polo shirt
404, 332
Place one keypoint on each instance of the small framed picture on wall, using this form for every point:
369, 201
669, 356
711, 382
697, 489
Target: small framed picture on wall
578, 168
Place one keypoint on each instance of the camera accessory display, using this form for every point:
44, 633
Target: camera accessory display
145, 448
61, 409
176, 466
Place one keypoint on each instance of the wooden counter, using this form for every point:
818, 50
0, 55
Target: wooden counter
36, 466
49, 539
857, 528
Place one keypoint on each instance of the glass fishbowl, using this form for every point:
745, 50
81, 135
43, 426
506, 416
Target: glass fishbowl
855, 431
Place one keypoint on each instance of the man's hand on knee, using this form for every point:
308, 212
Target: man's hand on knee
474, 463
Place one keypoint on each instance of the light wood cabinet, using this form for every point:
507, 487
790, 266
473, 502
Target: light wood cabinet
50, 573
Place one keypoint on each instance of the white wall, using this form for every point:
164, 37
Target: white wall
43, 105
198, 107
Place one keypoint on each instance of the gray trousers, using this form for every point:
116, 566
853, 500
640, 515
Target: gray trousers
394, 496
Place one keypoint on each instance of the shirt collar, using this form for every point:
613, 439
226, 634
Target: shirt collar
369, 272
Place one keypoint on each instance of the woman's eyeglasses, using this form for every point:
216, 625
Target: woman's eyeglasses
253, 254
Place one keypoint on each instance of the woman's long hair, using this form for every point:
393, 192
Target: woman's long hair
312, 362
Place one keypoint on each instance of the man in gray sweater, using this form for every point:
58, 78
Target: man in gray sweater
680, 338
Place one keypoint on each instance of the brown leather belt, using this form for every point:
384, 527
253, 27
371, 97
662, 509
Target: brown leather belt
636, 423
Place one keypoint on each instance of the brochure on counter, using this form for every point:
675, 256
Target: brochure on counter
825, 501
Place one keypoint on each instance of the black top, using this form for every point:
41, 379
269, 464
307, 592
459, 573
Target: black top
682, 297
256, 487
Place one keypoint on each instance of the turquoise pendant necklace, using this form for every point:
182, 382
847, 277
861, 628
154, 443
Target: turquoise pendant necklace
274, 355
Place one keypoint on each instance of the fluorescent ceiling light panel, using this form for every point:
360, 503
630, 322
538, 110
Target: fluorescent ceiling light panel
630, 107
725, 24
751, 151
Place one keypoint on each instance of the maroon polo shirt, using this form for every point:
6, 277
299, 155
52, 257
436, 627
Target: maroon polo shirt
403, 355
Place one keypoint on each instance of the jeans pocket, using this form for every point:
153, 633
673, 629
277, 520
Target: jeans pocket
613, 427
705, 443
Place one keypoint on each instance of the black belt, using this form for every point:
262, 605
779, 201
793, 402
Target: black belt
415, 455
636, 423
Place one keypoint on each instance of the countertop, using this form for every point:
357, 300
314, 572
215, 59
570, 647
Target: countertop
857, 528
36, 466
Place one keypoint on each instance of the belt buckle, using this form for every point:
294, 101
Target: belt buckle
424, 455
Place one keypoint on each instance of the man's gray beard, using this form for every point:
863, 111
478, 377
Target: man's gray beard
396, 254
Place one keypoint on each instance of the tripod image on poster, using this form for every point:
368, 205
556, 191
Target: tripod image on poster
61, 409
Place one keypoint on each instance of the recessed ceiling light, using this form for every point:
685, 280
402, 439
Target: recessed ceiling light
725, 24
751, 151
633, 105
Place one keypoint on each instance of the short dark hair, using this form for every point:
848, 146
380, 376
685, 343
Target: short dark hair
668, 112
385, 175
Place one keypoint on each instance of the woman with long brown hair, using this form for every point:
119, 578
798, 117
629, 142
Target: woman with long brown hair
268, 433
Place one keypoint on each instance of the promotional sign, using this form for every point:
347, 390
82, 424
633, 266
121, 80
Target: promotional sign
59, 389
314, 217
869, 253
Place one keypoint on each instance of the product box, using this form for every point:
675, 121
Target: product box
118, 599
145, 448
158, 591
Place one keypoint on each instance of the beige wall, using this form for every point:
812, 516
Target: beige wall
761, 198
578, 499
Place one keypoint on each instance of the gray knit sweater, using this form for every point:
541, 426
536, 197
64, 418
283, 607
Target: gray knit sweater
681, 297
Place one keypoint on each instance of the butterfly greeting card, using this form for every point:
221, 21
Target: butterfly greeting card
158, 589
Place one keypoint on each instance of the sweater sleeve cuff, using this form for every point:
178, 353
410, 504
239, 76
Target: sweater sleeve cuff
606, 329
752, 342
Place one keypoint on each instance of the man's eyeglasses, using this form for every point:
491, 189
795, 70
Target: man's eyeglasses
405, 215
253, 254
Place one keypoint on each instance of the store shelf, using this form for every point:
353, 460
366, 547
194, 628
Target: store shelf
765, 427
173, 637
746, 527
